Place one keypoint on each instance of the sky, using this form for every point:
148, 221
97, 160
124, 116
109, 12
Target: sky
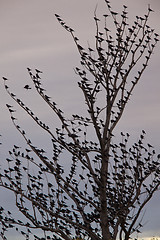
32, 37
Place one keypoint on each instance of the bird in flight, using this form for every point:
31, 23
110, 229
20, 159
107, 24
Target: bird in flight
27, 87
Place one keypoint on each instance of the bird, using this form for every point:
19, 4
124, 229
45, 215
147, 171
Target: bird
96, 19
114, 13
122, 134
5, 79
80, 47
38, 71
156, 34
57, 15
27, 87
143, 132
90, 49
149, 9
105, 15
156, 39
149, 145
8, 106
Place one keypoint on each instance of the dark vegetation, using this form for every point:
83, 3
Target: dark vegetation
109, 183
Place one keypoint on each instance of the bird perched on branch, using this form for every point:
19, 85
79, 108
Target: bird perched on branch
38, 71
158, 156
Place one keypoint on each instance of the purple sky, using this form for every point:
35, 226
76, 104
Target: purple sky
32, 37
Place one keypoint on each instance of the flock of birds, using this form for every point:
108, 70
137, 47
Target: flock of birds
128, 168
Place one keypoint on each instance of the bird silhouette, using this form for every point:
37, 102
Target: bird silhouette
27, 87
38, 71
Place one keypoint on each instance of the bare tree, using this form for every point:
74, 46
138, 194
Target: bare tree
109, 183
